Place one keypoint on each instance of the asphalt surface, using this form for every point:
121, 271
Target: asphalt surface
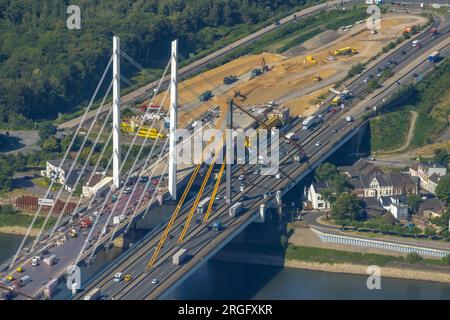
200, 239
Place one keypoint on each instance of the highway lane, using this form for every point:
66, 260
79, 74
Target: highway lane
327, 137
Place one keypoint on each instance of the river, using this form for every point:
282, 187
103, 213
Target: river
226, 280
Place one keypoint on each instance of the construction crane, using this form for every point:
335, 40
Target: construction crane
264, 125
241, 96
264, 66
11, 293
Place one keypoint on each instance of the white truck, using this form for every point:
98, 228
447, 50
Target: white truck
235, 209
179, 257
308, 122
291, 136
94, 294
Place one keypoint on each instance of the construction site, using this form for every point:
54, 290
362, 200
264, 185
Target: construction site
295, 81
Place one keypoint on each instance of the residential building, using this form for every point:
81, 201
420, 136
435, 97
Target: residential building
396, 205
429, 174
314, 198
431, 207
370, 182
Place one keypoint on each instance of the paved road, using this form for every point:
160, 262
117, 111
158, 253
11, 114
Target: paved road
200, 239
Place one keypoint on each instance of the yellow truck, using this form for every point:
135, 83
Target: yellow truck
344, 51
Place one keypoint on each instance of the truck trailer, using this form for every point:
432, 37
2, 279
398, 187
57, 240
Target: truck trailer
433, 57
308, 122
235, 209
179, 257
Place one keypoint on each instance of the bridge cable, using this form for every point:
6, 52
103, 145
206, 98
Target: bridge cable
61, 163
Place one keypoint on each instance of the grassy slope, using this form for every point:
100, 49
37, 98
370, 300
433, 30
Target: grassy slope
389, 131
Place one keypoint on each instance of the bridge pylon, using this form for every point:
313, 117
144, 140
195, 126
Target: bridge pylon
173, 113
116, 112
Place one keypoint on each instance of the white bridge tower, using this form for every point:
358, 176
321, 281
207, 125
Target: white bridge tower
173, 120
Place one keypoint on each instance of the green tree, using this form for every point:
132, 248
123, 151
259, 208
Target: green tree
373, 84
446, 259
6, 175
443, 189
51, 145
46, 130
414, 201
347, 207
441, 156
326, 172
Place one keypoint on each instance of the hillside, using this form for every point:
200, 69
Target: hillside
430, 98
46, 68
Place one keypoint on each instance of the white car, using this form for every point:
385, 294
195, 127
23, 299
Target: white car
317, 144
241, 177
118, 277
155, 281
127, 190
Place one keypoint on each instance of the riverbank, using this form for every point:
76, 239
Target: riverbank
20, 231
390, 270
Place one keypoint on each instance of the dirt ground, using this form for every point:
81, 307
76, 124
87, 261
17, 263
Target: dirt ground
290, 79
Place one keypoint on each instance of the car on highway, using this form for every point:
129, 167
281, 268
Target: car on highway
334, 130
256, 172
127, 278
127, 190
241, 177
118, 277
318, 144
155, 281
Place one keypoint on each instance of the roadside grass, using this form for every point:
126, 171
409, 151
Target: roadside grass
45, 182
389, 131
331, 256
23, 220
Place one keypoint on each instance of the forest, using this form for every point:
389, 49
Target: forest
46, 69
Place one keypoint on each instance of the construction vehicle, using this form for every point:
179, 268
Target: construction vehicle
19, 269
264, 66
179, 257
311, 59
241, 96
345, 51
151, 133
73, 233
317, 78
205, 96
10, 278
229, 79
255, 72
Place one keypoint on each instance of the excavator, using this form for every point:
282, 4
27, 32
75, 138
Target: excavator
264, 66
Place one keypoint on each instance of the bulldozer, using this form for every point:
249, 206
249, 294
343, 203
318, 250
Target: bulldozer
311, 59
317, 78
